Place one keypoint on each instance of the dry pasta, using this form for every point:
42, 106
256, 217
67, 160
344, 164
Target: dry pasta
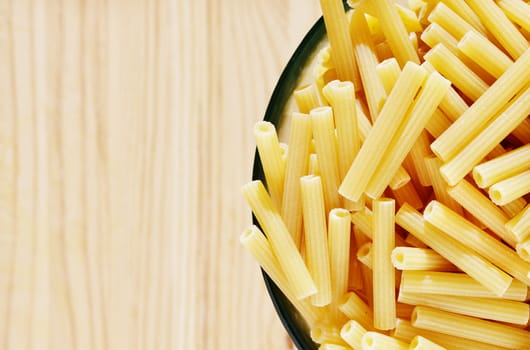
374, 132
470, 328
317, 253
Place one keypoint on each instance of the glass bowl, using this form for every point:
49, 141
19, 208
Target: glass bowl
277, 111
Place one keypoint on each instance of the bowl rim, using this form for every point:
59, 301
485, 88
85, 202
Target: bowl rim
284, 88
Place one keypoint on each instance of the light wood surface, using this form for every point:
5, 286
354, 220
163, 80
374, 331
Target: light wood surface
125, 136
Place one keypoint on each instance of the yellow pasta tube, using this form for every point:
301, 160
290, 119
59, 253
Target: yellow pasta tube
281, 241
411, 258
462, 9
439, 186
375, 341
451, 67
456, 284
482, 208
325, 142
500, 26
330, 346
509, 311
341, 96
296, 167
500, 168
507, 190
395, 31
365, 255
459, 254
465, 232
490, 103
388, 72
519, 225
356, 309
484, 53
383, 271
434, 34
271, 159
418, 153
406, 332
408, 132
352, 332
339, 227
384, 128
365, 54
422, 343
470, 328
400, 179
317, 253
463, 162
340, 41
523, 250
450, 21
306, 98
324, 332
257, 245
517, 11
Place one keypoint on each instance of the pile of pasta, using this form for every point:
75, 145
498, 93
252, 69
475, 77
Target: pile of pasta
397, 217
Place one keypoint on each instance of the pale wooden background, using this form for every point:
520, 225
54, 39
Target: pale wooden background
125, 135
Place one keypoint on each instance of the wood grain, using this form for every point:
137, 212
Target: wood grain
125, 136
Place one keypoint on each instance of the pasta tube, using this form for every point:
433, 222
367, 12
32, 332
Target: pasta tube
384, 128
470, 328
519, 225
356, 309
459, 254
484, 53
317, 253
500, 168
271, 159
325, 142
479, 113
258, 246
306, 98
500, 26
296, 167
383, 271
451, 67
341, 96
340, 41
395, 32
465, 232
483, 209
509, 311
375, 341
406, 332
411, 258
507, 190
456, 284
408, 132
284, 248
422, 343
339, 225
352, 332
464, 161
365, 54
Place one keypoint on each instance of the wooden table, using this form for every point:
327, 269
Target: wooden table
125, 136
